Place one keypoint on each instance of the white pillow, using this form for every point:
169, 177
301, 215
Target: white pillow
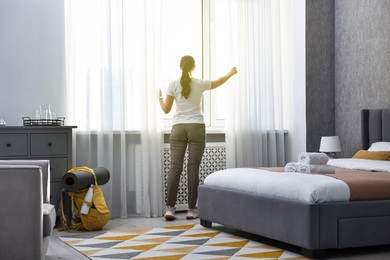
380, 146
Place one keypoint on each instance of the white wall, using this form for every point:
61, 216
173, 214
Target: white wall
32, 57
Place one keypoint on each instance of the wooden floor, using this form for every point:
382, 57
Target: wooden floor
59, 250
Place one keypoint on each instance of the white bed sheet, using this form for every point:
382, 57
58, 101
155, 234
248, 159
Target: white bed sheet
312, 188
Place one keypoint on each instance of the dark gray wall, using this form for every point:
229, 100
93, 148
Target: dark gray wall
347, 67
320, 91
362, 65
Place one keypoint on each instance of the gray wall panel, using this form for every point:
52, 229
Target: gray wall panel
319, 71
362, 63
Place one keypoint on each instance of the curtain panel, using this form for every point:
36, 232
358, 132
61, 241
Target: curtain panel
113, 64
262, 118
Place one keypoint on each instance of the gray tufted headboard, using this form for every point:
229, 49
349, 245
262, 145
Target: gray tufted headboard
375, 126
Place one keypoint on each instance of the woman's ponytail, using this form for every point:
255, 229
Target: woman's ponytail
187, 63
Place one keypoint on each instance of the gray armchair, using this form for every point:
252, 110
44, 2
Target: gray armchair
26, 218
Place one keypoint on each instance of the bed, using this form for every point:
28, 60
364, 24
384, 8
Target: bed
312, 226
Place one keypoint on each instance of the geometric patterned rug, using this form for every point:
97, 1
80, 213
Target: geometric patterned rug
172, 242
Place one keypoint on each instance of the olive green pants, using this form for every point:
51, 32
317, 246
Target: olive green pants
183, 135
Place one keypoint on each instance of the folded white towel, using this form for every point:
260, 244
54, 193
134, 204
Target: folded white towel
316, 168
291, 167
313, 158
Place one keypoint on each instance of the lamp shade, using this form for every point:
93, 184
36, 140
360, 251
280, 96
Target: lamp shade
330, 144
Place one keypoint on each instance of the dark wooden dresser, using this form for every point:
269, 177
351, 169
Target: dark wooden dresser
52, 143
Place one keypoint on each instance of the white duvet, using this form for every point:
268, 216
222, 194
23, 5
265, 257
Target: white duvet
312, 188
291, 185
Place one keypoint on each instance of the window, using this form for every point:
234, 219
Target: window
196, 35
108, 49
217, 62
181, 35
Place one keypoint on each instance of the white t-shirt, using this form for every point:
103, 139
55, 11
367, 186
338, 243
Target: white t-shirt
188, 111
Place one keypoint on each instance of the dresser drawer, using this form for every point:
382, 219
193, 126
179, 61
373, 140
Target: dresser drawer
58, 167
49, 144
13, 145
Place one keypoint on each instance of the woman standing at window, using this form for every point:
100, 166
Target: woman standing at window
188, 130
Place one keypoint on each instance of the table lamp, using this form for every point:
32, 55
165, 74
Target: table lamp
330, 145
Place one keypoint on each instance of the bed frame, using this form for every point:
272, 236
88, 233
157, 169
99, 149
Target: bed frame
312, 227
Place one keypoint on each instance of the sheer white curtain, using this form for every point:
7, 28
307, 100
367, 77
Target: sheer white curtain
113, 64
262, 117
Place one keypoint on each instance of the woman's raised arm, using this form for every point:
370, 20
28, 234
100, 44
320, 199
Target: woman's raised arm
218, 82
